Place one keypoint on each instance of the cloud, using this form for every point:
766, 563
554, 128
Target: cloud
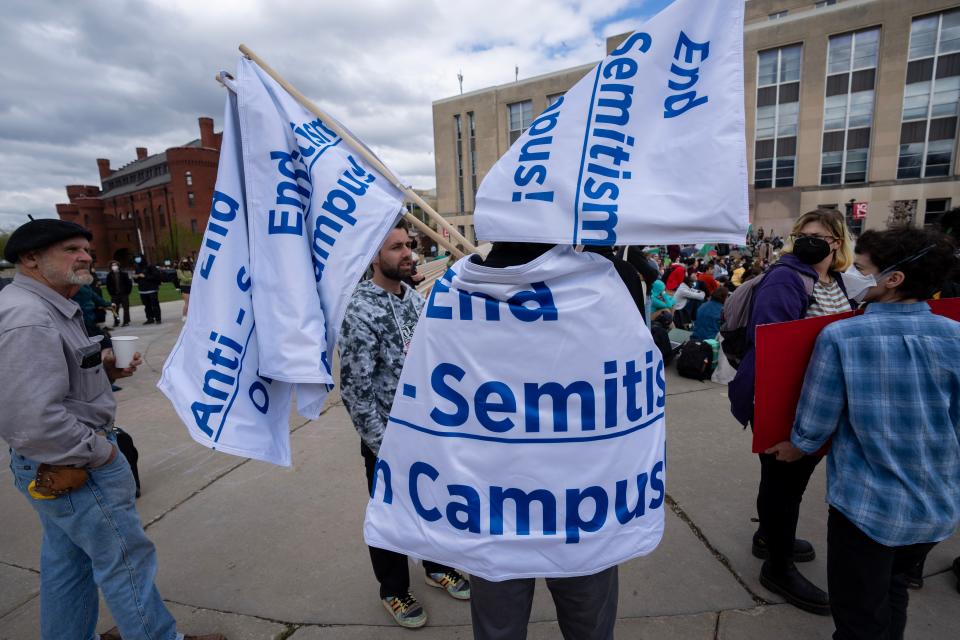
99, 78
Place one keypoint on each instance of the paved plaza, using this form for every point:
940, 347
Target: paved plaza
260, 552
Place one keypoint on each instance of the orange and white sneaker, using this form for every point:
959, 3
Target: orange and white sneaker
406, 611
452, 581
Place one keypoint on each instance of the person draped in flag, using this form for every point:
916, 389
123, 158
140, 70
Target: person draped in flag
375, 336
586, 605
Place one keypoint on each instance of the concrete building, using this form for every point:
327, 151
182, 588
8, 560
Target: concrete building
471, 131
848, 102
157, 205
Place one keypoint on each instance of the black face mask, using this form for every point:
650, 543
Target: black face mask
811, 250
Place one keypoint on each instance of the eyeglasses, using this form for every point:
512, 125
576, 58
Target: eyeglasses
797, 236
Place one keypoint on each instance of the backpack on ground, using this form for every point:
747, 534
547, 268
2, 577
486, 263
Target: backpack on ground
661, 337
736, 317
695, 360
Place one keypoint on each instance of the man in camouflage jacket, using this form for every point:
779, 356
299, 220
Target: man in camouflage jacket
374, 338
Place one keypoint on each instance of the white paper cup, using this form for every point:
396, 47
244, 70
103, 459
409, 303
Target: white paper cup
123, 348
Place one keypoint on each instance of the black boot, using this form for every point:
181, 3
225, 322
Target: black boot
802, 550
786, 581
914, 575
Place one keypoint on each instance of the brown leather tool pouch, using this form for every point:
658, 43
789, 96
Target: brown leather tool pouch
56, 481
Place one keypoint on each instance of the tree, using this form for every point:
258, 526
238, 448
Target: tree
902, 214
177, 242
4, 237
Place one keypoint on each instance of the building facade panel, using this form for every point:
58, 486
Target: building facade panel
490, 109
832, 138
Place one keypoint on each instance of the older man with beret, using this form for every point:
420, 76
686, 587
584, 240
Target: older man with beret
57, 417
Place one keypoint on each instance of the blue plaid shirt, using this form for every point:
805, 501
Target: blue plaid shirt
886, 386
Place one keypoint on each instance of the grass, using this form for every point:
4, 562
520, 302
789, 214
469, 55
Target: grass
167, 292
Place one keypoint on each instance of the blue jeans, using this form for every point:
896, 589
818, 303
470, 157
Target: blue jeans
92, 537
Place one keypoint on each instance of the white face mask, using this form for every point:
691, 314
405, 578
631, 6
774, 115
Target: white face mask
857, 284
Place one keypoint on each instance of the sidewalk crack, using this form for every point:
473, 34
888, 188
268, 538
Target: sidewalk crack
218, 477
721, 558
17, 566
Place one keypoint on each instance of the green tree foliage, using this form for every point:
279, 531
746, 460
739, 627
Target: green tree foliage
176, 242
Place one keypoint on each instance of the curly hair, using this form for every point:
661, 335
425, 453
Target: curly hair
924, 274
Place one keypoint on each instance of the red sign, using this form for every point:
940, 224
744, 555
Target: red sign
783, 352
859, 210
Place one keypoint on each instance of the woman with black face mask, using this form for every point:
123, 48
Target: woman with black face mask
804, 282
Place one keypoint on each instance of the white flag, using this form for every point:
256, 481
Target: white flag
648, 148
211, 376
318, 213
314, 214
526, 436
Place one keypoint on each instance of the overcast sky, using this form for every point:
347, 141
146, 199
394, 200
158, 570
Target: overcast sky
98, 78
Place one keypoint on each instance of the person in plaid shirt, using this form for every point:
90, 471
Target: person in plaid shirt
885, 387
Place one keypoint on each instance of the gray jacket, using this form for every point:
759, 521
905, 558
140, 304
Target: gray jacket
53, 390
376, 330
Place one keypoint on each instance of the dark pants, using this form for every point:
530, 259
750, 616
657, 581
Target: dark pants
122, 302
390, 567
586, 606
778, 502
151, 305
867, 582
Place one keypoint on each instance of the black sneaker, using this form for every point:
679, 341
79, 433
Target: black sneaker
795, 589
802, 550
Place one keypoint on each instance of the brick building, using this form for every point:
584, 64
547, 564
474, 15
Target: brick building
157, 205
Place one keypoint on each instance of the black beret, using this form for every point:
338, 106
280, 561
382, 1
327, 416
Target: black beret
41, 233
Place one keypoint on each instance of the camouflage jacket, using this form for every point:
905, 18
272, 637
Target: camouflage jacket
376, 329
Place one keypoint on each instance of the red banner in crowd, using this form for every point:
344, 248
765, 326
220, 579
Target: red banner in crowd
783, 352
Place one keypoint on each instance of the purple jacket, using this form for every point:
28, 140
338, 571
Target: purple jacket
781, 297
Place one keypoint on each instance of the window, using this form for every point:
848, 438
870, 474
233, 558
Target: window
190, 199
193, 226
188, 177
473, 153
552, 100
854, 225
935, 210
778, 101
459, 131
848, 106
779, 14
520, 116
824, 3
930, 97
462, 229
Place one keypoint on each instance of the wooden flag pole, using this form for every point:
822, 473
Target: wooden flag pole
419, 224
371, 159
